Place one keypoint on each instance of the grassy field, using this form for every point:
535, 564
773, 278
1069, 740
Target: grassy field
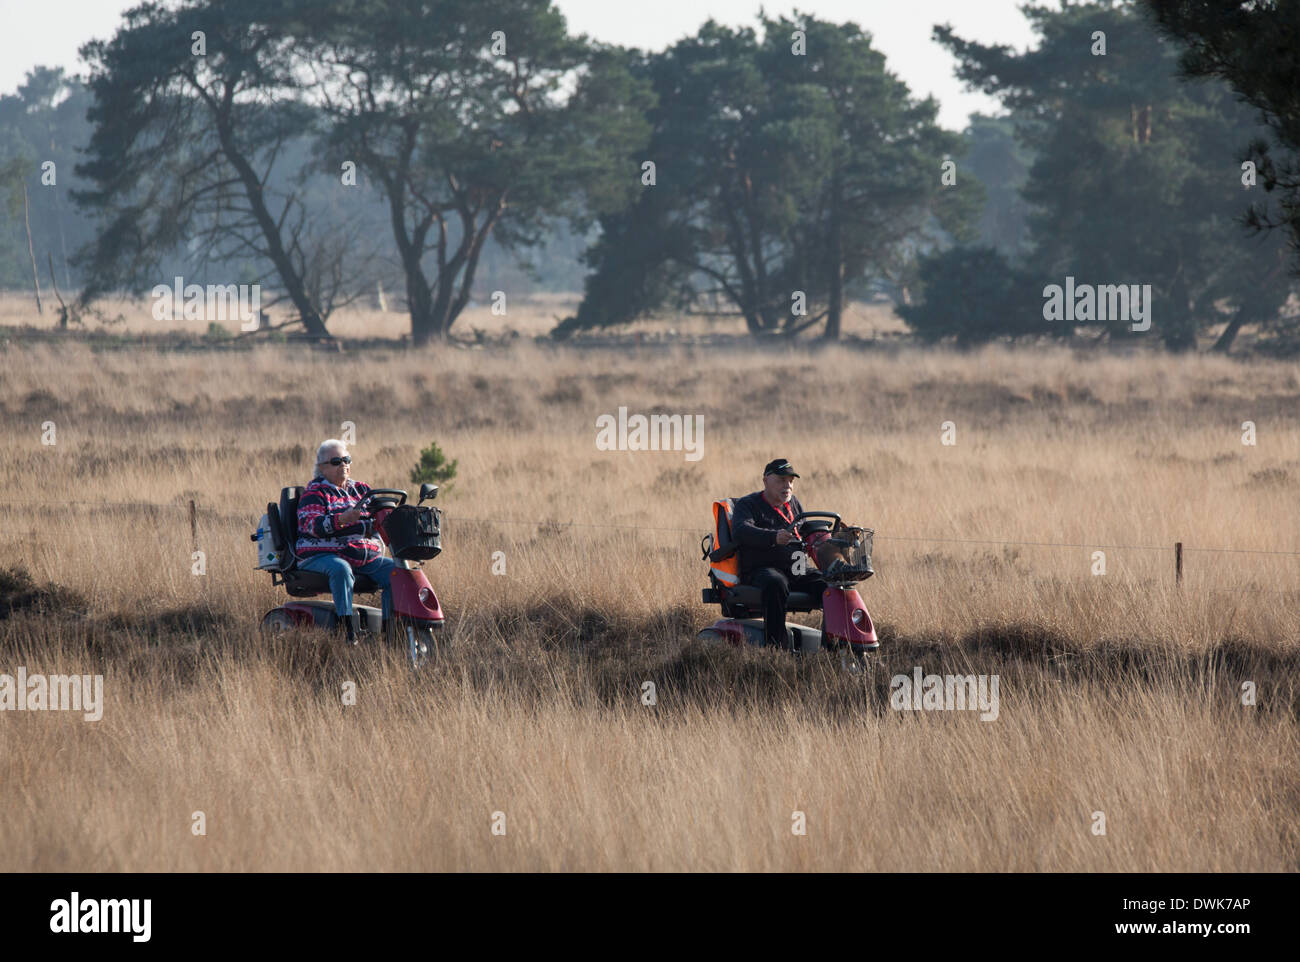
1120, 692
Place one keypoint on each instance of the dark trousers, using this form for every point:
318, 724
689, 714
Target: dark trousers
776, 586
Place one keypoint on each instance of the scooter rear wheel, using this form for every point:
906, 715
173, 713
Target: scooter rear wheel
278, 620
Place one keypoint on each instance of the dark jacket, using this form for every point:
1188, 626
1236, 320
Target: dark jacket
754, 523
320, 504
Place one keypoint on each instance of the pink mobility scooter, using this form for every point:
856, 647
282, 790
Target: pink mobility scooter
412, 534
840, 554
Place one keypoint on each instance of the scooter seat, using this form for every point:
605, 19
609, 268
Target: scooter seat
752, 598
301, 583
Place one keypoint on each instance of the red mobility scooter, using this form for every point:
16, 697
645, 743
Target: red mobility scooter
839, 553
412, 534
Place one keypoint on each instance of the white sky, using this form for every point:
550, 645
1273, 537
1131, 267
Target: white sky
48, 33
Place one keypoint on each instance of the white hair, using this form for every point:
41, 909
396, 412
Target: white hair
333, 444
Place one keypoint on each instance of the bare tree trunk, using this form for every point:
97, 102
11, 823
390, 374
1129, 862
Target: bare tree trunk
420, 299
453, 310
1224, 343
63, 246
835, 309
1256, 307
31, 252
63, 308
63, 243
419, 296
289, 276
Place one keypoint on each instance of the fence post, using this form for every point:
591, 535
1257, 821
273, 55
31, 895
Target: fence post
1178, 562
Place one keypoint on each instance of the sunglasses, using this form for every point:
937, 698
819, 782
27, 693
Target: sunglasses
337, 461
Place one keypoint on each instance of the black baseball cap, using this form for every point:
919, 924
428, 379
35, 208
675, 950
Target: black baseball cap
780, 466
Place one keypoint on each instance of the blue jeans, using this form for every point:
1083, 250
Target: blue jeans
341, 576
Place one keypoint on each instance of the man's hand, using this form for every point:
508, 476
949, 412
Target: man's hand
348, 518
785, 537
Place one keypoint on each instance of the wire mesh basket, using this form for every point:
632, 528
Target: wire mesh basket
843, 556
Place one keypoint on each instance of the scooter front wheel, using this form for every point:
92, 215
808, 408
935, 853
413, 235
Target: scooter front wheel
418, 643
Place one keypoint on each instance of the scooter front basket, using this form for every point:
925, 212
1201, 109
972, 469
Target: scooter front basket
414, 533
845, 557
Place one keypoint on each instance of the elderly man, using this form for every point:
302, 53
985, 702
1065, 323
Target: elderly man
335, 539
763, 524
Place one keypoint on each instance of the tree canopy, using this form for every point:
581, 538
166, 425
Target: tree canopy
1134, 179
474, 117
1255, 48
778, 170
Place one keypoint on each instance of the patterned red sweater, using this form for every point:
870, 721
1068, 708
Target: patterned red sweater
320, 504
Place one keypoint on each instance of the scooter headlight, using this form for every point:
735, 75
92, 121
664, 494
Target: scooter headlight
426, 597
859, 616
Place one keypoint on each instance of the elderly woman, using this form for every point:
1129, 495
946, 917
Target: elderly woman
335, 539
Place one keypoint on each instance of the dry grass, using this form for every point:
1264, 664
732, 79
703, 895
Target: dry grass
1119, 692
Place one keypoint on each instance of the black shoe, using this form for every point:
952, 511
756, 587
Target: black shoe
350, 627
783, 641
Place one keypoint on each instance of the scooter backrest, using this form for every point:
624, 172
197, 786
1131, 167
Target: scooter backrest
283, 547
724, 559
289, 514
278, 541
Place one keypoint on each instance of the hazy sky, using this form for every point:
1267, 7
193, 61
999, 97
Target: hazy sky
48, 33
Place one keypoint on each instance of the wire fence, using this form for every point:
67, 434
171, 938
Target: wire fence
194, 511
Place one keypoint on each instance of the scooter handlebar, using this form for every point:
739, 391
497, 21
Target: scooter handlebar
382, 493
815, 514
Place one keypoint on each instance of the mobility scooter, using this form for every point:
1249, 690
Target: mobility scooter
412, 534
840, 554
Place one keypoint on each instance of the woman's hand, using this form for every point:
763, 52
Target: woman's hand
346, 519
